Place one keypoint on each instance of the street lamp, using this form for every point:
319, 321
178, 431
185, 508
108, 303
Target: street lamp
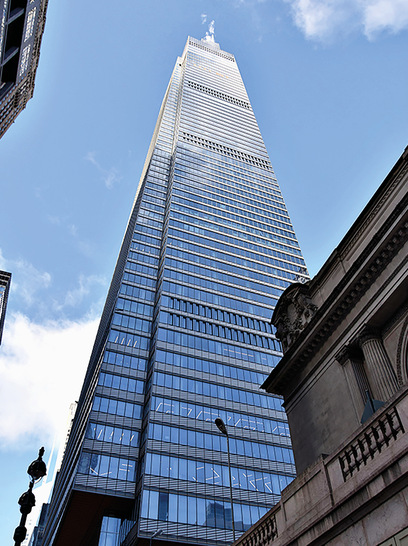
36, 471
223, 429
154, 535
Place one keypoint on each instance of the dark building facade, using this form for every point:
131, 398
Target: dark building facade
38, 531
21, 29
5, 279
344, 379
185, 335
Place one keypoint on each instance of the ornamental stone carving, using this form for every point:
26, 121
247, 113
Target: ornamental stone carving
293, 313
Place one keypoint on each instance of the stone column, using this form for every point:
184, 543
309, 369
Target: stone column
380, 372
351, 360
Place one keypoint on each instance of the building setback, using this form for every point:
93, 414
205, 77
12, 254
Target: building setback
185, 334
21, 29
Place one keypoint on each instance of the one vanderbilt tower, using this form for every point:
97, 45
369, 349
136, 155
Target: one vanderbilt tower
185, 335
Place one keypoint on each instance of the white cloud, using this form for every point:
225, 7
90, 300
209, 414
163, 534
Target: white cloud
76, 296
324, 20
209, 35
110, 176
42, 367
26, 280
380, 15
30, 289
203, 18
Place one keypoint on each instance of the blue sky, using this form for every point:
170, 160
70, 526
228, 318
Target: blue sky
328, 83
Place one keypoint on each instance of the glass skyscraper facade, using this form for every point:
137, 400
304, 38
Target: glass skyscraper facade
185, 335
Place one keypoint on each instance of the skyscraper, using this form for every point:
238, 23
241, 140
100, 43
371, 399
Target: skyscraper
21, 29
185, 334
5, 279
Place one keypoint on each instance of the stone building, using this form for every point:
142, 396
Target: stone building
21, 29
344, 381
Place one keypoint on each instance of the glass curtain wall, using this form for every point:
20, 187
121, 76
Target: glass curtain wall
228, 250
185, 336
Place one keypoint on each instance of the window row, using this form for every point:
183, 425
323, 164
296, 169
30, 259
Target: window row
232, 220
153, 191
145, 219
218, 442
217, 314
141, 268
236, 246
106, 466
114, 381
147, 235
164, 506
158, 168
236, 238
203, 388
156, 183
222, 163
139, 246
241, 274
211, 282
216, 368
136, 292
216, 330
230, 418
133, 323
215, 146
215, 474
236, 230
138, 308
138, 279
110, 529
213, 298
235, 258
229, 211
112, 435
150, 197
234, 178
129, 340
215, 347
219, 95
153, 216
127, 361
144, 258
152, 206
236, 181
117, 407
218, 163
220, 190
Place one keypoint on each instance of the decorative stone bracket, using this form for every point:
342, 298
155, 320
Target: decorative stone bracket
293, 313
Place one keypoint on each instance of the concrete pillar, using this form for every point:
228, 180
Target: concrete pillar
380, 372
351, 360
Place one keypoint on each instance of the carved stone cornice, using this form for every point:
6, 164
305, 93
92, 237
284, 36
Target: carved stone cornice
366, 334
359, 278
348, 352
403, 171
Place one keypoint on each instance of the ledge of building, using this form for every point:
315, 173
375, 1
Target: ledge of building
330, 499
